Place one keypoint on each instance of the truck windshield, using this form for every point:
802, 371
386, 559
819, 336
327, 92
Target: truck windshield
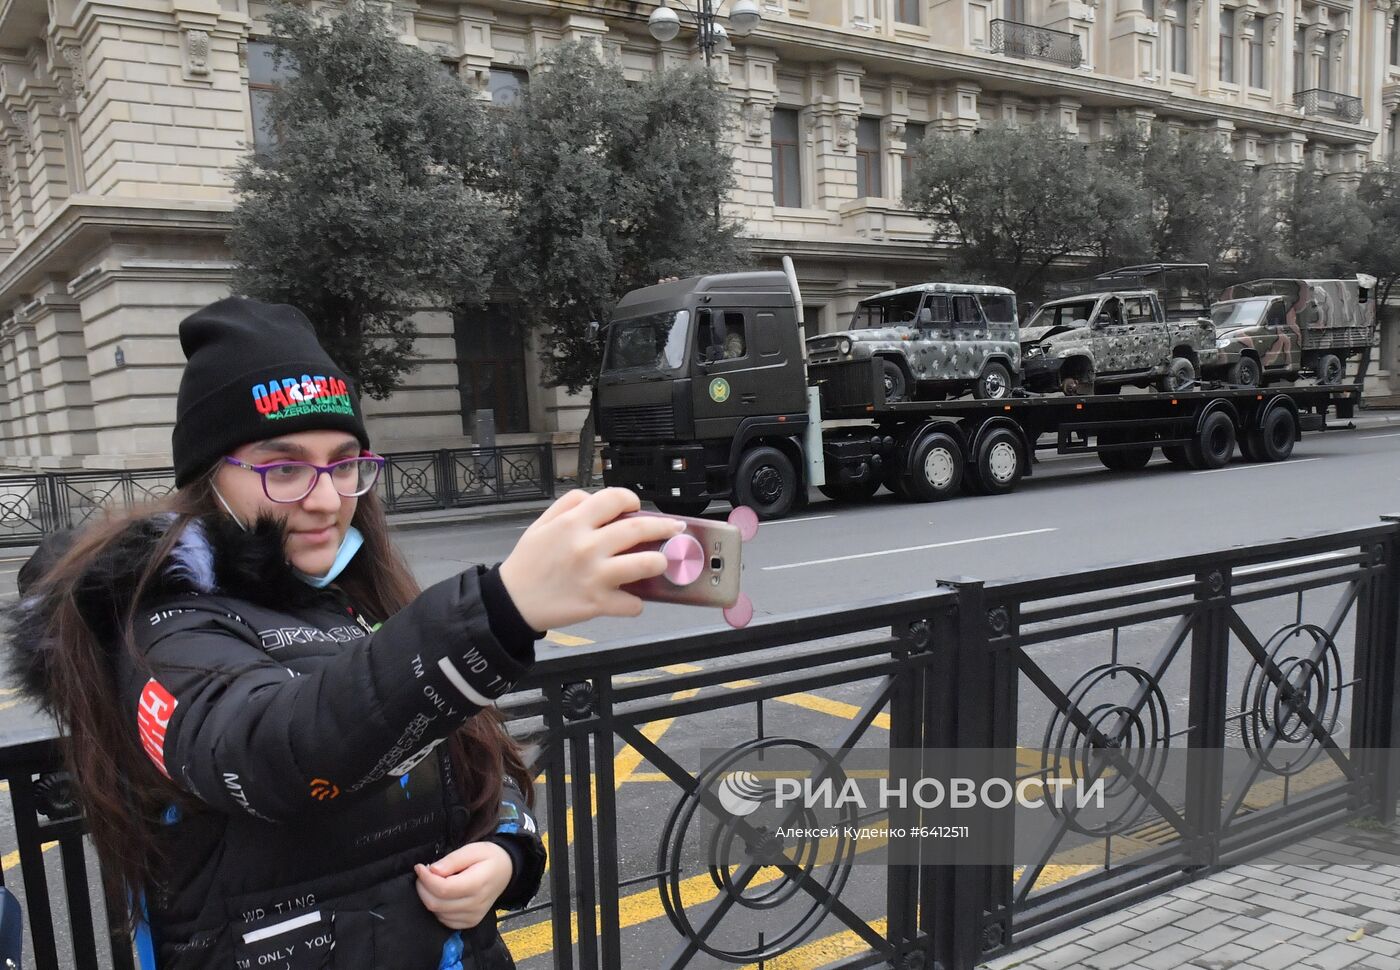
1245, 313
656, 342
1074, 314
886, 311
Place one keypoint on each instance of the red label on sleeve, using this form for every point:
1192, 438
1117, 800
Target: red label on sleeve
152, 718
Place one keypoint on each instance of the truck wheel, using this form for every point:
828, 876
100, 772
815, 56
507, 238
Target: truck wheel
1135, 459
1176, 454
998, 464
1275, 439
1215, 444
935, 468
896, 387
1329, 369
766, 482
681, 506
850, 491
994, 383
1245, 373
1179, 376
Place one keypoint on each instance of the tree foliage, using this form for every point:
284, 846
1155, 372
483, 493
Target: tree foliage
610, 185
369, 205
1020, 199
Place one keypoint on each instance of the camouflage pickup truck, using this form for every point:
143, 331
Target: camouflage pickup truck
934, 340
1283, 328
1098, 342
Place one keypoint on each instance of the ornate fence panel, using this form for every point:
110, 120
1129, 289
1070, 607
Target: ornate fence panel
32, 506
1271, 670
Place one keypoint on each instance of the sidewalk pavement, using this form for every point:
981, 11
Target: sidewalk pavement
1327, 903
530, 509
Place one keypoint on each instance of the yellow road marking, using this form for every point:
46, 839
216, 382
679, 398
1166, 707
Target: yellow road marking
566, 639
9, 690
9, 704
11, 859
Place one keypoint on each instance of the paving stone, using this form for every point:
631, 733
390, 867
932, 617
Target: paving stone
1153, 919
1123, 955
1160, 939
1214, 938
1336, 957
1201, 921
1063, 957
1265, 937
1221, 958
1169, 958
1280, 956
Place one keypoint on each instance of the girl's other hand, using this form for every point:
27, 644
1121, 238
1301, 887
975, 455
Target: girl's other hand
462, 887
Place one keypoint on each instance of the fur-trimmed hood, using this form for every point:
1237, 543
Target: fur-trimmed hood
212, 556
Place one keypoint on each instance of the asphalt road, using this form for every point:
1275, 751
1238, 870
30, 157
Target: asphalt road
1070, 515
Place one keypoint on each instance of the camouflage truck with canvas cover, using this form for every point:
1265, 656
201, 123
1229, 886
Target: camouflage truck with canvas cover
934, 340
1281, 329
1136, 325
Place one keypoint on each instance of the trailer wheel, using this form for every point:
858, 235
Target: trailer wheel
936, 468
896, 387
681, 506
1329, 369
1215, 443
1275, 438
847, 492
998, 464
1126, 459
766, 482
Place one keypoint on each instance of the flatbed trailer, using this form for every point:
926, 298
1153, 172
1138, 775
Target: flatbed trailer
704, 429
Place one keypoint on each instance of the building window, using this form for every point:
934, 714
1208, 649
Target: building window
1324, 64
1149, 9
265, 76
1390, 133
506, 85
1016, 11
913, 135
868, 158
491, 368
1300, 59
1256, 54
1395, 41
1181, 50
909, 11
787, 164
1227, 45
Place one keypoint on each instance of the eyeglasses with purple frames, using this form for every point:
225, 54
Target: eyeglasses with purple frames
288, 482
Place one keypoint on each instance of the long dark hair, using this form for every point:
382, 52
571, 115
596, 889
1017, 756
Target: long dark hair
120, 790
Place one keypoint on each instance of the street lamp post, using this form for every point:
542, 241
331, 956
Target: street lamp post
664, 23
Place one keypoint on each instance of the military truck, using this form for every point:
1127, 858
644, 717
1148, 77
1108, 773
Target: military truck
1280, 329
704, 395
1117, 331
933, 340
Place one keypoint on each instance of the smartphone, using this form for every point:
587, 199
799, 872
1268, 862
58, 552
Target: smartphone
704, 567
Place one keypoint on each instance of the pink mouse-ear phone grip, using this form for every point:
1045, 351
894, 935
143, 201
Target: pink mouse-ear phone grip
685, 559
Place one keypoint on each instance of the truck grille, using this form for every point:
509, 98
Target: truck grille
640, 421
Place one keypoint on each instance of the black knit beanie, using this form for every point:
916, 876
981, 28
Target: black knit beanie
254, 371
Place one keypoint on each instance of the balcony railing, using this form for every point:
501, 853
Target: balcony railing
1042, 43
1320, 101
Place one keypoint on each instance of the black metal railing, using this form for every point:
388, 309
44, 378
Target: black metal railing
1040, 43
1281, 654
31, 506
1320, 101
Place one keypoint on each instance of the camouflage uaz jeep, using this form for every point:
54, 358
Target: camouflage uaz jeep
1098, 342
934, 340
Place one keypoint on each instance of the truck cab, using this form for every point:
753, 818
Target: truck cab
695, 373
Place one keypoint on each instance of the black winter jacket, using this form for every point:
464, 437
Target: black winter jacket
307, 735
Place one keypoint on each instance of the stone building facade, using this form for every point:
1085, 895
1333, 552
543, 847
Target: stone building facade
120, 121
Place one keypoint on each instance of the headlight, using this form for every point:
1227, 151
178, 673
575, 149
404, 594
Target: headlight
844, 346
1222, 342
677, 464
607, 464
1033, 351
